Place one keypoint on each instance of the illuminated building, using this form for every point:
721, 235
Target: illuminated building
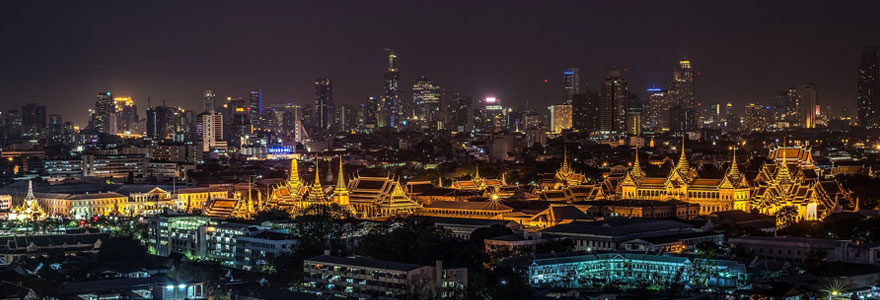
255, 106
363, 278
790, 179
560, 117
684, 94
287, 195
170, 233
29, 209
323, 107
378, 197
657, 114
634, 115
585, 112
225, 208
126, 115
426, 97
104, 108
757, 117
808, 99
211, 126
566, 176
621, 233
491, 209
208, 100
869, 87
570, 84
612, 102
372, 112
390, 114
646, 209
190, 199
581, 269
461, 113
478, 183
683, 183
114, 165
144, 200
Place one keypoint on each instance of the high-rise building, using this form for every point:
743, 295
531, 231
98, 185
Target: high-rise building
13, 124
612, 102
212, 130
560, 117
324, 115
461, 113
808, 99
634, 117
33, 119
255, 106
869, 87
56, 126
585, 111
684, 92
570, 84
426, 96
757, 117
346, 117
391, 112
657, 114
102, 113
126, 114
372, 107
208, 100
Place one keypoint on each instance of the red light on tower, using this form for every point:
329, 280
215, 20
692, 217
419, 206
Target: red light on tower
545, 80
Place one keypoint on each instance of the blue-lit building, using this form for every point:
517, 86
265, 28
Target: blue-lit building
583, 269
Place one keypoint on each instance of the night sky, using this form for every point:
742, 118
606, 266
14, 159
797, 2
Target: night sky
62, 53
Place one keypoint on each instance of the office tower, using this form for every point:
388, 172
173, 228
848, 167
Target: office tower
570, 84
657, 114
212, 130
158, 119
208, 100
391, 99
426, 96
13, 124
683, 91
585, 111
255, 106
126, 114
757, 117
346, 117
372, 106
33, 119
869, 87
104, 108
612, 103
56, 125
633, 115
560, 117
778, 106
808, 100
491, 117
461, 113
323, 110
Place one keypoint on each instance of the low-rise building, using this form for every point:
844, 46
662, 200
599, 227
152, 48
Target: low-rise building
364, 278
611, 234
803, 250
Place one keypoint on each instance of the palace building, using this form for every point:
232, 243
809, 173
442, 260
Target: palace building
288, 194
477, 183
789, 179
683, 183
294, 196
378, 197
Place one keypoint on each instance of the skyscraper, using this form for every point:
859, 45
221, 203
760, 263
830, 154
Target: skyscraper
634, 110
426, 96
212, 130
684, 92
570, 84
462, 113
372, 108
657, 114
391, 99
33, 119
104, 108
255, 106
126, 114
208, 100
585, 111
808, 99
560, 117
323, 117
612, 102
869, 87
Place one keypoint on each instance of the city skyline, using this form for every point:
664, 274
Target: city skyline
479, 56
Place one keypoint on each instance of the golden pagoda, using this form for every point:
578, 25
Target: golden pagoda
340, 193
30, 209
286, 195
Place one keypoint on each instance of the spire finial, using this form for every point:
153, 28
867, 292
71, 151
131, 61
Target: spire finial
477, 172
340, 180
682, 161
637, 169
317, 176
294, 171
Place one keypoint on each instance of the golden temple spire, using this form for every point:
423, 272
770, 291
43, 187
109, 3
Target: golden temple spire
294, 171
477, 172
637, 169
783, 174
340, 180
682, 161
317, 177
